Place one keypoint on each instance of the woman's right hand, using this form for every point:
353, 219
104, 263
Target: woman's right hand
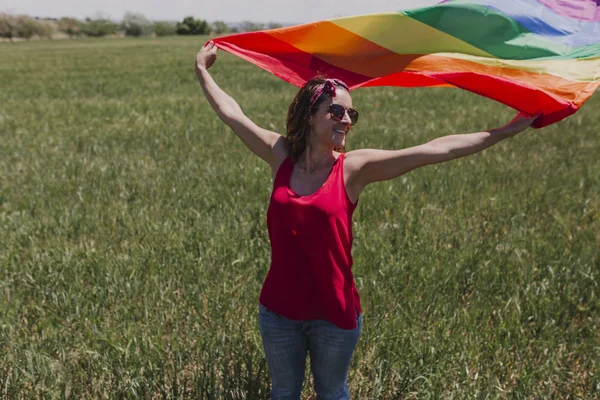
206, 56
518, 124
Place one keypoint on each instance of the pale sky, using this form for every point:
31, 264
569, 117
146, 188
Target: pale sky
282, 11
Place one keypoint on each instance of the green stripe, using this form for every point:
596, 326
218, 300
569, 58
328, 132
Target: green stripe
495, 33
590, 51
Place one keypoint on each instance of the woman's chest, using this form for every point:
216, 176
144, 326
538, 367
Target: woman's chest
306, 185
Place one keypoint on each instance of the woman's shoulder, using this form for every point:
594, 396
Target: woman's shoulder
356, 160
362, 156
280, 153
353, 159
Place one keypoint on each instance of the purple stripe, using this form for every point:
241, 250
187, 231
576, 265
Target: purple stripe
585, 10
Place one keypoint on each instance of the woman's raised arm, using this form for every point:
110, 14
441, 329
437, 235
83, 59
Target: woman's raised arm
369, 165
266, 144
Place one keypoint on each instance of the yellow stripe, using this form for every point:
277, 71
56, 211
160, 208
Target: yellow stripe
405, 35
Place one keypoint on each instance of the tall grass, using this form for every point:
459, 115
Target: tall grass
133, 240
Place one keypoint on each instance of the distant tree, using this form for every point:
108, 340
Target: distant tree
70, 26
220, 27
7, 26
99, 27
249, 26
191, 26
44, 29
25, 27
165, 28
274, 25
135, 24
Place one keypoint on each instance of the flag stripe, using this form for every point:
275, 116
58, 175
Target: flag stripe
410, 36
563, 89
582, 70
329, 42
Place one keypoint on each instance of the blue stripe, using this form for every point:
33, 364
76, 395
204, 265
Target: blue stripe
543, 21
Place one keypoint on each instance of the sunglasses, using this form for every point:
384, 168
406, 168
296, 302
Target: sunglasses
337, 112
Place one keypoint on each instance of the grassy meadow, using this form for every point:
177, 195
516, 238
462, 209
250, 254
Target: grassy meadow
133, 240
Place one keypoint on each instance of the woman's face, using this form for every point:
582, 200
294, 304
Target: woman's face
326, 131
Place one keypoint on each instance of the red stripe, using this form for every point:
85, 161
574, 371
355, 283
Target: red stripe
404, 79
516, 95
283, 60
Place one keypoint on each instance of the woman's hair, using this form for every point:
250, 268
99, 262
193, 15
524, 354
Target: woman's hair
299, 112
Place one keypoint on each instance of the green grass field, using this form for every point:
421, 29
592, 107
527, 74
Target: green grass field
133, 239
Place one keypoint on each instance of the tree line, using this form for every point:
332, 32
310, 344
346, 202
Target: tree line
132, 24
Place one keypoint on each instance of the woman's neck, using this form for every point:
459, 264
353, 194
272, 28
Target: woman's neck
315, 161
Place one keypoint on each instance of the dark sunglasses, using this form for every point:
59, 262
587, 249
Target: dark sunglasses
337, 112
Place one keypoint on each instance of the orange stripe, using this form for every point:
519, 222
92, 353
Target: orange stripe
551, 84
582, 69
336, 46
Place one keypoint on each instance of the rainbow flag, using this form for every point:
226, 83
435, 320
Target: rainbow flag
532, 55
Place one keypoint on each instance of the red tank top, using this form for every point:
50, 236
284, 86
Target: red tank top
311, 240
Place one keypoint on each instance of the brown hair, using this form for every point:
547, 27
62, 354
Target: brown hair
299, 112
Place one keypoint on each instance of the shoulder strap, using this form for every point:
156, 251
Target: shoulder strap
283, 173
339, 164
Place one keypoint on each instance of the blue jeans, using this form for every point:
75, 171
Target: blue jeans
287, 342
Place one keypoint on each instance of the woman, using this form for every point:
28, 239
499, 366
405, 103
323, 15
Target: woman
309, 303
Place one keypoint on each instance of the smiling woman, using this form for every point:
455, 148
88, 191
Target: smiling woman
309, 303
303, 117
